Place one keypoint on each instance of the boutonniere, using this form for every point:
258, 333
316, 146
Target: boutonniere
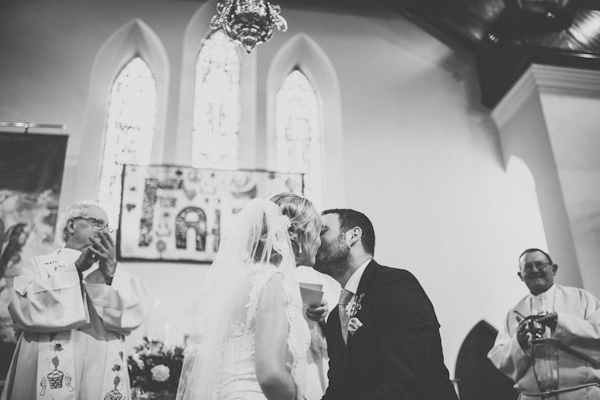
354, 305
354, 324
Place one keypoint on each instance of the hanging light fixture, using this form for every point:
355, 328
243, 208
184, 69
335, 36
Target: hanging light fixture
248, 22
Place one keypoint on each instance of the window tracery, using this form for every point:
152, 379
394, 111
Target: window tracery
216, 120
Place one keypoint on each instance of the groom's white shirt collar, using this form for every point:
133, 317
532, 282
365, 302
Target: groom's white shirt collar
352, 284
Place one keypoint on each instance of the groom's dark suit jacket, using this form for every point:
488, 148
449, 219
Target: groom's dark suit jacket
397, 353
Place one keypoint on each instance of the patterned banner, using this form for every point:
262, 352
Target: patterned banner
31, 171
177, 213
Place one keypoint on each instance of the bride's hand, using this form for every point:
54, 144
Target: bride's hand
319, 313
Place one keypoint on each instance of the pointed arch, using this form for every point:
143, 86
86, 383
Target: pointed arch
298, 130
197, 31
524, 203
129, 130
303, 53
217, 105
134, 39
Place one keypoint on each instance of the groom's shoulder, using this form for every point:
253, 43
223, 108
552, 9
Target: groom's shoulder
388, 274
395, 286
395, 280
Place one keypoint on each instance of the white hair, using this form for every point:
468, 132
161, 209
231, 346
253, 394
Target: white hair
79, 209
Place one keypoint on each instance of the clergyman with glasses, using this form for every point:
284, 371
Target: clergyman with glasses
550, 341
75, 306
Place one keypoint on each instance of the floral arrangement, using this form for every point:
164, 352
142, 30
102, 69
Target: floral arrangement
154, 369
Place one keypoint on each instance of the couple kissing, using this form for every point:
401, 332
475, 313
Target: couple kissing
257, 340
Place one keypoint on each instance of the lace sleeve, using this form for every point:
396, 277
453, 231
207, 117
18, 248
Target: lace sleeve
299, 335
298, 339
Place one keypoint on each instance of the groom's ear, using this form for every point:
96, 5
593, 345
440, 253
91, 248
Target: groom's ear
353, 236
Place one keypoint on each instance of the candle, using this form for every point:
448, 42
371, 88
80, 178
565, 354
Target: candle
167, 329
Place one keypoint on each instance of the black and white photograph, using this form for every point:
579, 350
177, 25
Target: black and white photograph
300, 200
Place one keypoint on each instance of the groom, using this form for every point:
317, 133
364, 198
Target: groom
383, 338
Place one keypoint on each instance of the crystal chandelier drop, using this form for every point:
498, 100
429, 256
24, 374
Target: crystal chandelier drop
248, 22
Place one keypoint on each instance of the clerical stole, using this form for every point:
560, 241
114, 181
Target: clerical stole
56, 369
114, 387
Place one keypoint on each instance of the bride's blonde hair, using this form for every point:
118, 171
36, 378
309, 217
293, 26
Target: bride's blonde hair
304, 219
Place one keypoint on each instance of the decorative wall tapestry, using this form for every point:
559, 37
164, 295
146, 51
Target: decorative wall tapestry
175, 213
31, 171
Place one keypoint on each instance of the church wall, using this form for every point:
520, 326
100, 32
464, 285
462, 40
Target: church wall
573, 122
549, 120
417, 154
524, 134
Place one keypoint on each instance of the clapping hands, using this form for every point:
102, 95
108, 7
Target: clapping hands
86, 259
102, 249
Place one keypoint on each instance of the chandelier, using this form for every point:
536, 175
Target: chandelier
248, 22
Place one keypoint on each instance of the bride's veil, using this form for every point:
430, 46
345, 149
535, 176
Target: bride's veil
258, 237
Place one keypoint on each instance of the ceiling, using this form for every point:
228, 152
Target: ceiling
505, 36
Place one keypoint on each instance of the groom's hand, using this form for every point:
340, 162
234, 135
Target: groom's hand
318, 313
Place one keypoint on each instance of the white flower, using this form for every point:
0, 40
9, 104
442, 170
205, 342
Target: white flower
354, 305
278, 246
160, 373
286, 221
138, 360
354, 324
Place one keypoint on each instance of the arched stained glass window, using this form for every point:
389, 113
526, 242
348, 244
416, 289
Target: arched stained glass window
216, 121
298, 131
129, 130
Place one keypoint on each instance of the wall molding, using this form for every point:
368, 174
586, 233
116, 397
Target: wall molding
518, 95
568, 80
545, 78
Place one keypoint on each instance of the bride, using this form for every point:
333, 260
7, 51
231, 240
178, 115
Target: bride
253, 340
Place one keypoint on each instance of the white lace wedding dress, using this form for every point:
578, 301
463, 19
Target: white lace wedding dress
220, 360
237, 378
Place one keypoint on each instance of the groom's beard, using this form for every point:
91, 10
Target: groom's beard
333, 258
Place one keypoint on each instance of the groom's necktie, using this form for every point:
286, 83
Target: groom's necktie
345, 297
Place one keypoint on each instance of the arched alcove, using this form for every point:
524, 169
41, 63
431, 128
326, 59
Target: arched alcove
133, 39
302, 52
523, 203
477, 378
196, 32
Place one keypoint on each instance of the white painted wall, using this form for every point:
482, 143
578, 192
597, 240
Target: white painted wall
573, 123
550, 120
418, 155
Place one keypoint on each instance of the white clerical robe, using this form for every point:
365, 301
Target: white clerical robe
72, 346
574, 347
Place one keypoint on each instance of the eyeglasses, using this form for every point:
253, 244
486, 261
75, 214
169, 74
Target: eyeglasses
539, 265
96, 223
